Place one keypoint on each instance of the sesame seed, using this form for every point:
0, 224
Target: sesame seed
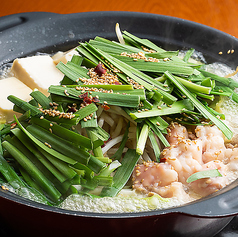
66, 93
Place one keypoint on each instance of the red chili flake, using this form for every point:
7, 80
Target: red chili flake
163, 159
13, 125
99, 69
71, 109
87, 100
95, 99
84, 95
105, 142
117, 83
106, 107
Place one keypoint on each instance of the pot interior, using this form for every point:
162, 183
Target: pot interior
28, 33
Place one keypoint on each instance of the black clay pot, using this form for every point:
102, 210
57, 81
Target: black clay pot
27, 33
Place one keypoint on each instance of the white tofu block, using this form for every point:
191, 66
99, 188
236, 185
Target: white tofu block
64, 56
37, 72
12, 86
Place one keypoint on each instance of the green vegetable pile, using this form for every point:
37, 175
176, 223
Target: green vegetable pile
43, 150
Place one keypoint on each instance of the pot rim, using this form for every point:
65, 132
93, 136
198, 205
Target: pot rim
221, 203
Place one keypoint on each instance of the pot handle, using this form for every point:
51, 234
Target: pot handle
14, 20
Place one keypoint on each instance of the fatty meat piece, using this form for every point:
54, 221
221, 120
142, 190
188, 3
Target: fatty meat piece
213, 145
207, 186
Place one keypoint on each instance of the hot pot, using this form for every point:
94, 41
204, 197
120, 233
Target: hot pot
28, 33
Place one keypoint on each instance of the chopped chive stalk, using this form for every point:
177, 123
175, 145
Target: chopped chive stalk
140, 77
118, 88
9, 173
60, 165
108, 98
44, 147
26, 147
104, 159
147, 43
194, 87
104, 180
59, 144
97, 151
208, 97
86, 111
33, 171
208, 82
99, 133
222, 90
71, 74
95, 164
91, 122
162, 55
122, 174
157, 96
111, 98
158, 67
122, 67
60, 131
110, 168
215, 77
142, 139
177, 107
235, 97
158, 132
155, 146
78, 61
87, 54
24, 105
203, 110
204, 174
188, 54
88, 173
43, 100
29, 180
161, 123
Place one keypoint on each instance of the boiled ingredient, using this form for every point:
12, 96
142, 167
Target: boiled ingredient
37, 72
202, 149
64, 56
9, 86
